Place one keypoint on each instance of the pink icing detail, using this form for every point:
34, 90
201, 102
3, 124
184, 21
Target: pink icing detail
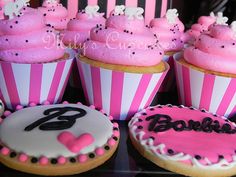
61, 160
189, 142
19, 107
75, 144
79, 103
56, 15
96, 84
82, 158
207, 89
65, 102
46, 103
204, 22
111, 117
78, 29
35, 87
43, 161
23, 158
99, 151
111, 142
116, 125
6, 113
217, 49
170, 36
113, 44
92, 107
116, 133
5, 151
32, 104
26, 39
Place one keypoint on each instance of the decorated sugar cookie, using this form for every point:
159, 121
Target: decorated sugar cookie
185, 140
60, 139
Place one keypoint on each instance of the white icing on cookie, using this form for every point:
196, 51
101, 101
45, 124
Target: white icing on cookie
36, 142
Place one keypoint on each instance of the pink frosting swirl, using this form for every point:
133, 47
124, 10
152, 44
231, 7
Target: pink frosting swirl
215, 51
78, 29
125, 42
202, 26
26, 39
55, 14
170, 36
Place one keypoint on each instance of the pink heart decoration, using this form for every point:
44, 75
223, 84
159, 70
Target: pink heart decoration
75, 144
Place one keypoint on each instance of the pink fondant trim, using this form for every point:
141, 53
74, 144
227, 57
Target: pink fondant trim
111, 142
19, 107
99, 151
61, 160
5, 151
82, 158
32, 104
6, 113
116, 133
23, 158
116, 125
43, 161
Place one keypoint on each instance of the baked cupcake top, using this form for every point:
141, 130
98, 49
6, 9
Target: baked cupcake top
26, 39
78, 29
186, 135
169, 31
125, 40
215, 50
201, 26
55, 14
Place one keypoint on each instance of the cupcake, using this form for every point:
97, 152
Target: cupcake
121, 68
55, 14
169, 31
206, 72
201, 26
78, 29
34, 64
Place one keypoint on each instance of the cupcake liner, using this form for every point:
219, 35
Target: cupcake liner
120, 94
216, 94
169, 83
22, 84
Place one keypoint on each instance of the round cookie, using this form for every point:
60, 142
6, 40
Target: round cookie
61, 139
185, 140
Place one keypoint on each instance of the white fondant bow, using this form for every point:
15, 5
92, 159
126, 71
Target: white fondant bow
13, 8
92, 11
171, 15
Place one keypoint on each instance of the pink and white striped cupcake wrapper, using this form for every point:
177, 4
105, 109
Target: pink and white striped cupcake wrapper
22, 84
216, 94
169, 83
119, 94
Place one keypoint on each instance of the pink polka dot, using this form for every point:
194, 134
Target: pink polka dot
6, 113
116, 133
92, 107
19, 107
82, 158
32, 104
61, 160
65, 102
46, 103
43, 161
110, 117
5, 151
116, 125
99, 151
111, 142
23, 158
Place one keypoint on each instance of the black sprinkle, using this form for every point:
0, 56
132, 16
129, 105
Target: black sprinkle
159, 106
26, 41
151, 137
191, 108
13, 154
34, 160
140, 120
170, 106
198, 157
105, 27
203, 110
115, 128
11, 26
151, 109
115, 138
18, 15
107, 148
140, 127
133, 53
170, 151
16, 54
6, 39
160, 53
53, 161
16, 22
131, 33
144, 114
91, 155
222, 46
221, 156
44, 15
233, 43
72, 160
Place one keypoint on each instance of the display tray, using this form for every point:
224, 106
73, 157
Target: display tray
126, 162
